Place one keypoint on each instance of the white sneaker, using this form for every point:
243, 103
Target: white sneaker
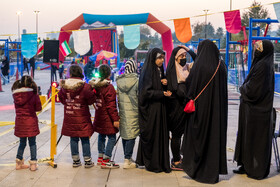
128, 164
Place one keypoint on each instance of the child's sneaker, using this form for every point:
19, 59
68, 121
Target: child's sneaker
128, 164
76, 163
99, 160
88, 163
107, 164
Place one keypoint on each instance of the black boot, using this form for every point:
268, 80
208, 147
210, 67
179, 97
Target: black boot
240, 170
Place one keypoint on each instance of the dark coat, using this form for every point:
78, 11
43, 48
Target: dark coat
204, 144
5, 67
153, 150
107, 113
255, 129
27, 103
76, 95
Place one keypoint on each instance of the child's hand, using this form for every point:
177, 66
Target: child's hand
117, 124
164, 82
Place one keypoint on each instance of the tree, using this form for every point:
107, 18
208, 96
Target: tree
219, 33
199, 30
257, 11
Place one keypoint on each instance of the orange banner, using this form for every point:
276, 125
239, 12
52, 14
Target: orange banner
183, 29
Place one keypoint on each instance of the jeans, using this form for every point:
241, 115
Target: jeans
32, 145
128, 146
109, 147
5, 79
74, 143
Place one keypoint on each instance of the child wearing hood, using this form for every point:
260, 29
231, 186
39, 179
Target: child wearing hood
128, 110
106, 121
27, 103
76, 96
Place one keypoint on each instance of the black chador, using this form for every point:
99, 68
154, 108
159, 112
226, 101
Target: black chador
177, 71
153, 150
204, 144
254, 139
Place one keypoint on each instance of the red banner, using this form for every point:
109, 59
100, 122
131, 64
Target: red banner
233, 21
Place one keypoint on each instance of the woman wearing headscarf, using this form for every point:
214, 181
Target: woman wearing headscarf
254, 138
153, 150
204, 144
176, 73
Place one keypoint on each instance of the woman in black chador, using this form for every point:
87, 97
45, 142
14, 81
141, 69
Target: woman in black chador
204, 144
153, 150
254, 139
176, 73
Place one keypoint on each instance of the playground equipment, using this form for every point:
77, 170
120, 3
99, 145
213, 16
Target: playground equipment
249, 42
16, 47
194, 44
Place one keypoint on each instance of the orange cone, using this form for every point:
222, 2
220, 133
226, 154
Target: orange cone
0, 85
17, 74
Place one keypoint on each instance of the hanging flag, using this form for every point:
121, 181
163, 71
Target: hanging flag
233, 21
277, 10
131, 36
51, 51
81, 41
65, 49
183, 29
40, 47
29, 45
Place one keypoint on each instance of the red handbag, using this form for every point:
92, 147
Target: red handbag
190, 106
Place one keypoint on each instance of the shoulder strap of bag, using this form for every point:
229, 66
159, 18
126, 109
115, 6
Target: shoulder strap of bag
209, 81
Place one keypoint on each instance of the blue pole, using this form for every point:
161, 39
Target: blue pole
227, 48
250, 44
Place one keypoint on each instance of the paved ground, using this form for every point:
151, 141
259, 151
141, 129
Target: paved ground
65, 175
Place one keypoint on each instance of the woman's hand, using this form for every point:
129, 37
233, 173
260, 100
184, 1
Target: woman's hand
164, 82
167, 93
185, 47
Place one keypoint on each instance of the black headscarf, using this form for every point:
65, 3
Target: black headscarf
150, 75
206, 62
262, 62
172, 82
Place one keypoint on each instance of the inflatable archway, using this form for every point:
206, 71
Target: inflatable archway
145, 18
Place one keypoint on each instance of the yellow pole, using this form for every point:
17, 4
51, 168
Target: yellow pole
53, 129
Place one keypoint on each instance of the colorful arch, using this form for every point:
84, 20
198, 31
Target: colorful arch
128, 19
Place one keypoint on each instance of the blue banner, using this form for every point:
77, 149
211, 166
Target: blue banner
29, 45
131, 36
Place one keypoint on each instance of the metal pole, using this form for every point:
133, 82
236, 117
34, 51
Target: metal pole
227, 48
230, 4
18, 29
206, 22
250, 44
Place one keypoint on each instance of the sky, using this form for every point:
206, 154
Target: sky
56, 13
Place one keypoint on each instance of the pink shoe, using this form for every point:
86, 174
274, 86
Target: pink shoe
33, 165
20, 164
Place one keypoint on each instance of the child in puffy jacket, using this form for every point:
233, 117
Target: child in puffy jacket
128, 110
27, 103
106, 121
76, 96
